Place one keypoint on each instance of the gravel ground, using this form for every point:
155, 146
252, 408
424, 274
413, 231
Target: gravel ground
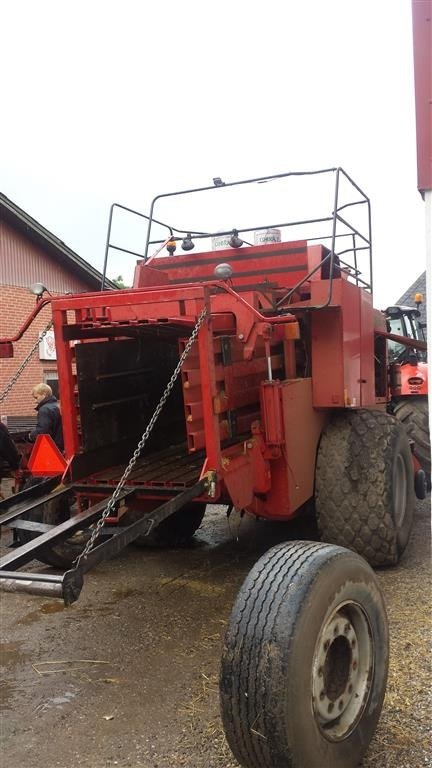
128, 676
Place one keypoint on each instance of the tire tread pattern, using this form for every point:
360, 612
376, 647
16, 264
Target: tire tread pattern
413, 412
257, 610
354, 484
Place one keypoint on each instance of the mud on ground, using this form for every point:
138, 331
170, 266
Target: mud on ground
128, 676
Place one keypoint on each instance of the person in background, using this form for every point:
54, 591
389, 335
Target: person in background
48, 415
9, 454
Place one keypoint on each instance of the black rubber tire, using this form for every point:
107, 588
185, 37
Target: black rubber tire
176, 531
267, 671
363, 458
62, 554
420, 484
413, 412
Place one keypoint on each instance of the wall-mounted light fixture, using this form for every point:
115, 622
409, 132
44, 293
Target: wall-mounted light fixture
38, 289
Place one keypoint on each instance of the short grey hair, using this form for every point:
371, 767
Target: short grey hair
42, 389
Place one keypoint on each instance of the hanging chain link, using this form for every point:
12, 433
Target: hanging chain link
18, 373
112, 501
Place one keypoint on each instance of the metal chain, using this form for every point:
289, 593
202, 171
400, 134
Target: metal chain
112, 501
18, 373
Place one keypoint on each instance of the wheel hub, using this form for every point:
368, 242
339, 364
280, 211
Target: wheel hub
341, 672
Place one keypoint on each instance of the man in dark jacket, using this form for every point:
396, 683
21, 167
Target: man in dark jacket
48, 415
9, 454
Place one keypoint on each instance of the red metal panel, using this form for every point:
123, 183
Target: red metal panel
422, 39
414, 379
271, 410
350, 296
336, 346
68, 404
192, 398
303, 425
327, 358
246, 473
367, 359
267, 483
283, 264
209, 392
238, 478
290, 478
99, 301
254, 370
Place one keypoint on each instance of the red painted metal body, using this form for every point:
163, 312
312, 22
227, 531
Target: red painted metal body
414, 379
256, 389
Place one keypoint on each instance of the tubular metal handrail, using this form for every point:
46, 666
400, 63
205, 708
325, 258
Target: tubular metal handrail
108, 243
333, 257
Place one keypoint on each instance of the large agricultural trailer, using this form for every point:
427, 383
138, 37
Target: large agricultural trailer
255, 376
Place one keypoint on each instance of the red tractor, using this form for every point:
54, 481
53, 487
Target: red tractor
409, 402
254, 377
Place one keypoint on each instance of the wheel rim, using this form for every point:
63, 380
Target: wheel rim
342, 671
400, 490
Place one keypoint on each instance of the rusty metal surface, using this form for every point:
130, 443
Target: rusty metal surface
172, 467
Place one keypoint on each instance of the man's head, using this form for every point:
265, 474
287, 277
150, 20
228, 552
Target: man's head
41, 391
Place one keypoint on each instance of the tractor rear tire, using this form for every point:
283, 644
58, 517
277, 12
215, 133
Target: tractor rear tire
364, 485
175, 531
413, 412
305, 660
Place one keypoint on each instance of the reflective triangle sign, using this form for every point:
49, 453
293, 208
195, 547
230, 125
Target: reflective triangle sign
45, 458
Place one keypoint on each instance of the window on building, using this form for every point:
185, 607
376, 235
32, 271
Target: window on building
51, 378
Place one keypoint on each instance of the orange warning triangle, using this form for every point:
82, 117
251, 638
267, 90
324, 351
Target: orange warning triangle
45, 458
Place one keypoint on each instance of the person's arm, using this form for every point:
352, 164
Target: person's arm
43, 426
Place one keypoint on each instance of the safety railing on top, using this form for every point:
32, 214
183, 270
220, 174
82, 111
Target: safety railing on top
358, 242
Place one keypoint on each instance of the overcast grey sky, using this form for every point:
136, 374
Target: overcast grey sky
107, 101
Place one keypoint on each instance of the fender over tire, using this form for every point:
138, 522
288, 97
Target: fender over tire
305, 661
364, 485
